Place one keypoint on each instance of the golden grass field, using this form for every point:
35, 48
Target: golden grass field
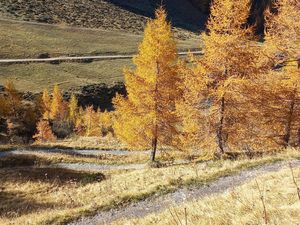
53, 201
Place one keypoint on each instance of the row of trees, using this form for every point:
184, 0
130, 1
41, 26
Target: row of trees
61, 118
47, 117
240, 94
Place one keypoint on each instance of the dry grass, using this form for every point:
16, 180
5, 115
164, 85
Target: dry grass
44, 202
241, 205
36, 77
80, 142
103, 159
22, 40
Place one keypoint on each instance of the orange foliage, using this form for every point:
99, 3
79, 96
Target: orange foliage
58, 109
44, 132
146, 117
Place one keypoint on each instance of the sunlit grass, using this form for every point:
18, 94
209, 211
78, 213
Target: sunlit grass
63, 202
242, 205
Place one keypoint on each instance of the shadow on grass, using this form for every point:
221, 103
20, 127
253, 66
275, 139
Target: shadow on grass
49, 175
21, 160
17, 203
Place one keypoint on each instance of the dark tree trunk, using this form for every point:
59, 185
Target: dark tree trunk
220, 127
287, 135
299, 137
155, 133
154, 148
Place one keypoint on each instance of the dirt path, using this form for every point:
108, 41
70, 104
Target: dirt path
84, 166
68, 58
158, 203
73, 152
98, 167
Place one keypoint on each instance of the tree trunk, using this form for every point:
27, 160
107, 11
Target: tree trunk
155, 133
154, 148
220, 140
299, 137
287, 135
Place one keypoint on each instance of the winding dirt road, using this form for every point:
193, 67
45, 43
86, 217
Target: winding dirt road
158, 203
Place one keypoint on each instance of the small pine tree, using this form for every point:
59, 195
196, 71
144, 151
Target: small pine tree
44, 132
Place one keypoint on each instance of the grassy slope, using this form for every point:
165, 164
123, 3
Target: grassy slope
108, 14
21, 40
44, 202
36, 77
239, 206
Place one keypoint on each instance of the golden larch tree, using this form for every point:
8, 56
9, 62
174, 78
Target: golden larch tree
146, 117
214, 97
13, 99
282, 48
90, 122
58, 106
73, 109
46, 99
44, 132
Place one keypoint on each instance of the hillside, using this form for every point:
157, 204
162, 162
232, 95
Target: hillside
107, 14
85, 27
73, 28
22, 40
129, 15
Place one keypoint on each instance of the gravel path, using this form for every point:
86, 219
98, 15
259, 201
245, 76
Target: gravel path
97, 167
83, 166
92, 57
158, 203
73, 152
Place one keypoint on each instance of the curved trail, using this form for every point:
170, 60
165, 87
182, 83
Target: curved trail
158, 203
85, 166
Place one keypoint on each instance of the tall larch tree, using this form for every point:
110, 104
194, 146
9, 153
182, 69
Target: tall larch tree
228, 64
146, 117
58, 106
282, 47
13, 99
73, 109
46, 99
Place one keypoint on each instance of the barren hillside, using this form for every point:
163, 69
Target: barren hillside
128, 15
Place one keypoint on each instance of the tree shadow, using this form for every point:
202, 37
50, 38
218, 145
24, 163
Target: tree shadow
59, 176
12, 160
17, 203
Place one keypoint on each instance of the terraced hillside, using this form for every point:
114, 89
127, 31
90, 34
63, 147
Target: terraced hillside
128, 15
